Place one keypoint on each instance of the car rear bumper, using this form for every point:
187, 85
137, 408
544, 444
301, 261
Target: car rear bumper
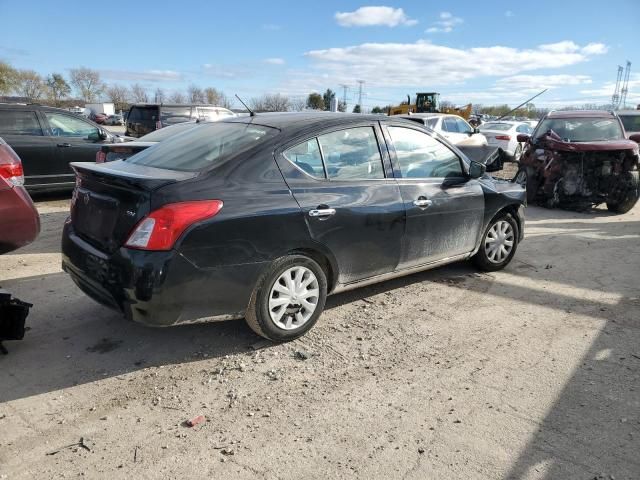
158, 288
19, 219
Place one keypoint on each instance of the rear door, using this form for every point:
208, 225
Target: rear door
351, 203
444, 208
23, 131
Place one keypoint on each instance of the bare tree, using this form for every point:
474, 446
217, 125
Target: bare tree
159, 95
87, 82
119, 95
138, 93
297, 104
8, 77
30, 84
212, 95
57, 88
270, 103
177, 97
195, 94
225, 101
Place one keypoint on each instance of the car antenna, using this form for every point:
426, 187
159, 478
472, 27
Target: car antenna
251, 112
522, 104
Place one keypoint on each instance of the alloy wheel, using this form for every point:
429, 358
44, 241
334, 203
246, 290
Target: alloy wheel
293, 298
499, 241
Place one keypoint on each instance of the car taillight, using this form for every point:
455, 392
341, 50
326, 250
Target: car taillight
161, 228
503, 137
11, 166
101, 156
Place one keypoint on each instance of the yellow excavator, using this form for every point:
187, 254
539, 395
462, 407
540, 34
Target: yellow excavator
429, 103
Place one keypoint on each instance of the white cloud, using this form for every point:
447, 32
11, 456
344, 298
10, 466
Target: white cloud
509, 13
374, 16
594, 49
274, 61
606, 90
428, 64
146, 76
445, 24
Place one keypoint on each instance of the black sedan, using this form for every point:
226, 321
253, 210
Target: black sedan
262, 217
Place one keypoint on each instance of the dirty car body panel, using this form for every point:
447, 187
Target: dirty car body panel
273, 205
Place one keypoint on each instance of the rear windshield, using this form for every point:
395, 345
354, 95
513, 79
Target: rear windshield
581, 129
143, 114
171, 115
496, 126
204, 146
631, 122
163, 133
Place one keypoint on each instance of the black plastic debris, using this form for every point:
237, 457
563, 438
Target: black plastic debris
13, 314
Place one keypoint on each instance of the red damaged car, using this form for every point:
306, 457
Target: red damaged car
19, 220
577, 159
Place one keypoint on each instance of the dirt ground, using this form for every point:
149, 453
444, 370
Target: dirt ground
529, 373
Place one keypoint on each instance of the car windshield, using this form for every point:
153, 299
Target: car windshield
631, 122
581, 129
496, 126
163, 133
203, 146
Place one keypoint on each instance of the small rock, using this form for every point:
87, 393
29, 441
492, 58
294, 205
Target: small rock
420, 450
104, 418
457, 421
228, 451
302, 355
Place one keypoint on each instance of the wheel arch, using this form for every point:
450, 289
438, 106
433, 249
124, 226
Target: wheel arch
326, 261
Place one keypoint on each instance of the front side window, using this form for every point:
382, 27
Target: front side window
306, 156
422, 156
19, 122
631, 122
463, 127
352, 154
449, 125
68, 126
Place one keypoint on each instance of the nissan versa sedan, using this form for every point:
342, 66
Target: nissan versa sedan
262, 217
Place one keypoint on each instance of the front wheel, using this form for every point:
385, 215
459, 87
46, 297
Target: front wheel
527, 178
288, 299
626, 194
499, 243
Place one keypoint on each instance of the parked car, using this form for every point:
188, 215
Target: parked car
581, 158
19, 220
99, 118
452, 127
47, 139
120, 151
146, 117
504, 134
115, 119
631, 121
264, 216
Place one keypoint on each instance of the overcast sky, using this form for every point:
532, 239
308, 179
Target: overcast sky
471, 51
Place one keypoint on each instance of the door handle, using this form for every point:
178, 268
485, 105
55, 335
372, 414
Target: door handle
422, 202
64, 145
322, 212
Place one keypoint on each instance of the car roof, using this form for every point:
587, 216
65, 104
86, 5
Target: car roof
300, 120
32, 106
580, 114
628, 112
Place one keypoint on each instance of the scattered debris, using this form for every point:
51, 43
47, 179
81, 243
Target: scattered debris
85, 443
420, 450
302, 355
228, 451
195, 421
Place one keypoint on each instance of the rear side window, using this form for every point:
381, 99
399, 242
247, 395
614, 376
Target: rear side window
352, 154
172, 115
19, 122
422, 156
432, 123
204, 146
306, 156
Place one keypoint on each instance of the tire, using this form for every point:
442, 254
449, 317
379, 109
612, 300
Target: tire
526, 176
627, 196
269, 317
504, 228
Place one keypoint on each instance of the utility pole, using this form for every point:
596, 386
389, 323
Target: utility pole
625, 86
361, 82
344, 94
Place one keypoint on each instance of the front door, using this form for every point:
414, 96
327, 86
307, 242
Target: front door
351, 205
444, 207
74, 139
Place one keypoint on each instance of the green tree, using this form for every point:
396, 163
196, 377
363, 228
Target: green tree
57, 88
377, 109
327, 97
357, 109
315, 101
8, 77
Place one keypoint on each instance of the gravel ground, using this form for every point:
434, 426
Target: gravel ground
529, 373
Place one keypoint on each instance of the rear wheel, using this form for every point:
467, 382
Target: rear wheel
288, 299
626, 194
527, 178
499, 243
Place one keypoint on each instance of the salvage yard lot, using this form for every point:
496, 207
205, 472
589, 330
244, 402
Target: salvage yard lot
528, 373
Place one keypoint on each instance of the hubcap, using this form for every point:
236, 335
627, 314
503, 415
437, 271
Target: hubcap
499, 241
293, 298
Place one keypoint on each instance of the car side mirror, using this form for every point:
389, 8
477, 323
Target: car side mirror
523, 137
102, 135
477, 169
635, 137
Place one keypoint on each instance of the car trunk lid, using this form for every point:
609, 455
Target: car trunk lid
111, 198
